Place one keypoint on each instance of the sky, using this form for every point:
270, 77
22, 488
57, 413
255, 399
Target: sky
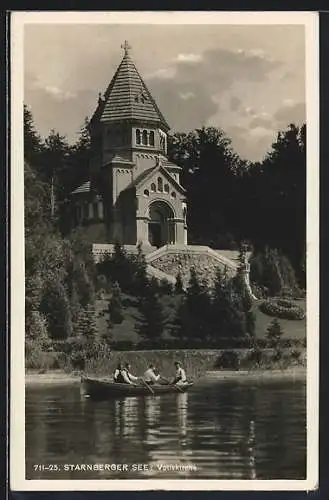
249, 80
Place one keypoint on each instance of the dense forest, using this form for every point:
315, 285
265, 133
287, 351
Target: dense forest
232, 202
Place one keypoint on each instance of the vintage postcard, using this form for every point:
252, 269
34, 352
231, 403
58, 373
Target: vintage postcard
164, 251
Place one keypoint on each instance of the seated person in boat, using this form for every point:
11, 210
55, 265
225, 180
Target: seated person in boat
118, 375
180, 377
150, 377
122, 375
132, 379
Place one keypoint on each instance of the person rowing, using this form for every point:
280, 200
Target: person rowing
180, 377
150, 377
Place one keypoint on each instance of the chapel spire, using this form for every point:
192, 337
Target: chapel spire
128, 98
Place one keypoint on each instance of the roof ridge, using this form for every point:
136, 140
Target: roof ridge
128, 60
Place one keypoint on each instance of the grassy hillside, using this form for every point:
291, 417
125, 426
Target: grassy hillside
126, 330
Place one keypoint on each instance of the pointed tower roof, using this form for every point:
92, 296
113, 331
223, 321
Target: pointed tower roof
127, 97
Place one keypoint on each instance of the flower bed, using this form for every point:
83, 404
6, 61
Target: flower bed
282, 308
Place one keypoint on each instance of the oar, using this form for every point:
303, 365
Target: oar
147, 385
179, 388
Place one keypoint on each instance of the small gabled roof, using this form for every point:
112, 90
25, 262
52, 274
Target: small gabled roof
148, 174
128, 98
84, 188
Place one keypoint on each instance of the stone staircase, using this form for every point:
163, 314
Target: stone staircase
174, 259
166, 262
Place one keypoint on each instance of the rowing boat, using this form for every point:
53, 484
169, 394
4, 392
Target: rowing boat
102, 388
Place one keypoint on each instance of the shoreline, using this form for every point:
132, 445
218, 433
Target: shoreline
60, 377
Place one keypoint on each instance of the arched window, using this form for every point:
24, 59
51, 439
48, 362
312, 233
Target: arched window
166, 188
151, 138
153, 187
173, 194
144, 138
138, 136
160, 184
146, 192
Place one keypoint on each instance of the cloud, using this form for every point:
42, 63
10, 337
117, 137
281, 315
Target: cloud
59, 94
33, 83
188, 95
257, 52
252, 146
235, 103
288, 102
292, 113
48, 110
188, 58
163, 73
206, 77
263, 120
260, 132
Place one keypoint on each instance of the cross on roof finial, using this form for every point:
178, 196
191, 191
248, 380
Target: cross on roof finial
126, 47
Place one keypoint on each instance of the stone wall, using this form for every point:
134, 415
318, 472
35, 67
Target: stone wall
205, 265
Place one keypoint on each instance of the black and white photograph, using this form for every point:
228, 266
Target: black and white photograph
164, 250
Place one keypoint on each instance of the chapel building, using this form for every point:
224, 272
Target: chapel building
133, 194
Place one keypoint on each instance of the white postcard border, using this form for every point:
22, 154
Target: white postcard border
17, 382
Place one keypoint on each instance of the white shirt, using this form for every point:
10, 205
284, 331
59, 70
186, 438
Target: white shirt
150, 376
180, 373
127, 377
131, 377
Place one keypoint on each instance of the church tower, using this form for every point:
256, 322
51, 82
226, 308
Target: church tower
134, 193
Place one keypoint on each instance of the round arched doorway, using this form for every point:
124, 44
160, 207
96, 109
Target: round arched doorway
161, 224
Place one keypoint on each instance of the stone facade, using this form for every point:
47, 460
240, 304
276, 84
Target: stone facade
136, 186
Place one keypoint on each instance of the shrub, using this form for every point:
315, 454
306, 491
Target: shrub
277, 355
38, 359
255, 355
282, 308
228, 359
295, 356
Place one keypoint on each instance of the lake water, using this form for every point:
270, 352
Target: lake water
238, 429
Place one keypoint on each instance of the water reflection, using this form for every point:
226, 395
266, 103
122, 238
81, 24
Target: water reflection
228, 430
251, 449
125, 421
182, 402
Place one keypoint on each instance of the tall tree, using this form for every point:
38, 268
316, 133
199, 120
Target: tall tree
228, 315
79, 158
192, 316
115, 308
209, 166
56, 308
282, 196
274, 333
151, 321
33, 144
56, 166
